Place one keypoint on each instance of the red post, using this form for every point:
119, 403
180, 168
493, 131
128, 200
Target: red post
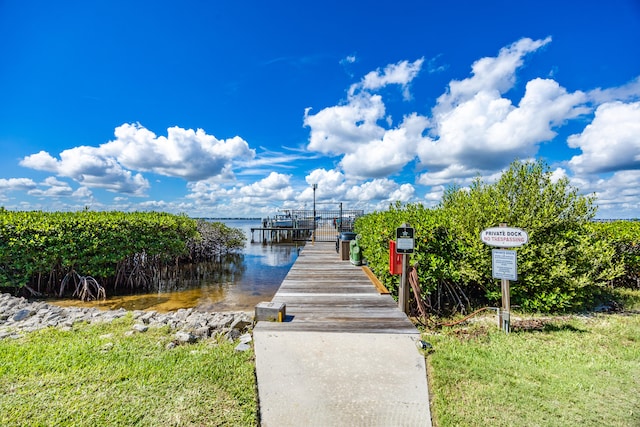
395, 260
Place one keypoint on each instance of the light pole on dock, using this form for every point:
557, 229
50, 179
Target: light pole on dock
314, 186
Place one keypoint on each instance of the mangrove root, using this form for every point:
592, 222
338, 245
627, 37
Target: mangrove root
86, 287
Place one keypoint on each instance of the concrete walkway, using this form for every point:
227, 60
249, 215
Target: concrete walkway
346, 356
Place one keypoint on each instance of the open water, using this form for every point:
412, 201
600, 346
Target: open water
253, 276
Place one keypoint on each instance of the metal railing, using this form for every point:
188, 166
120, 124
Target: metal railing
327, 223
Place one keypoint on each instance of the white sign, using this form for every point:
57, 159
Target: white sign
405, 242
504, 264
504, 237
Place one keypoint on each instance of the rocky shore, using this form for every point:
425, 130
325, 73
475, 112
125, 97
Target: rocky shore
19, 315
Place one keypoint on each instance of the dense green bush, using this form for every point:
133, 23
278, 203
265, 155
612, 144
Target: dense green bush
565, 266
213, 240
562, 267
437, 252
38, 250
624, 238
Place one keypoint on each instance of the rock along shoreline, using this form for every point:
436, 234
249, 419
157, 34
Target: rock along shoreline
19, 315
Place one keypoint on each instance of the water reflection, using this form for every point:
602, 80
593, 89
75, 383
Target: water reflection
237, 284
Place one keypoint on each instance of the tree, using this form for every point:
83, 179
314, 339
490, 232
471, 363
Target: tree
562, 267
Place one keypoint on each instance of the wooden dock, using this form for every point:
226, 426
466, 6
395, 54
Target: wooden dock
322, 293
281, 234
345, 354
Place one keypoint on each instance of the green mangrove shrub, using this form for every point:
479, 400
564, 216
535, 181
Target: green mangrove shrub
563, 267
566, 265
53, 252
213, 240
624, 239
436, 256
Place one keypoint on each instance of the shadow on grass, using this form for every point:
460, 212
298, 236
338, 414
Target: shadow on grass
544, 325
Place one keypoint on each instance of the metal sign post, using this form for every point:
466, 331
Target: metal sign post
505, 313
403, 292
504, 264
405, 244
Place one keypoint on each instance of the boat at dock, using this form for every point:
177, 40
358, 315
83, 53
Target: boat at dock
281, 221
292, 225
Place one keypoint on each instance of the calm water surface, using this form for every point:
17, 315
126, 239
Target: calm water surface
254, 277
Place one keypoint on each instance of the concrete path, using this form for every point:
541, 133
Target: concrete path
346, 356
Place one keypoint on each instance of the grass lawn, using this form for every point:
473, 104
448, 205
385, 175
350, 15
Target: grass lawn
96, 375
565, 371
561, 371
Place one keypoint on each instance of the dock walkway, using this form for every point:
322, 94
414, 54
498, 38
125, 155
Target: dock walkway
345, 356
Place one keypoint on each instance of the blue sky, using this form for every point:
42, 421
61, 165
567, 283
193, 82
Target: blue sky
234, 108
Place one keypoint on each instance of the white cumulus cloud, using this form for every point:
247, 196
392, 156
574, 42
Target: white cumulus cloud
17, 184
331, 184
276, 186
611, 142
490, 74
184, 153
384, 190
359, 129
389, 154
55, 188
478, 130
401, 74
116, 165
473, 128
87, 166
342, 128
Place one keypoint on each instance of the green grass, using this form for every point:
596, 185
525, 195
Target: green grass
565, 371
84, 378
568, 371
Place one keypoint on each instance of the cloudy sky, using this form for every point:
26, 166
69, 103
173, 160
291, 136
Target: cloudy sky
235, 108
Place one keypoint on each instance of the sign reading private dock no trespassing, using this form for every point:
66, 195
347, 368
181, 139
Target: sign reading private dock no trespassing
504, 237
